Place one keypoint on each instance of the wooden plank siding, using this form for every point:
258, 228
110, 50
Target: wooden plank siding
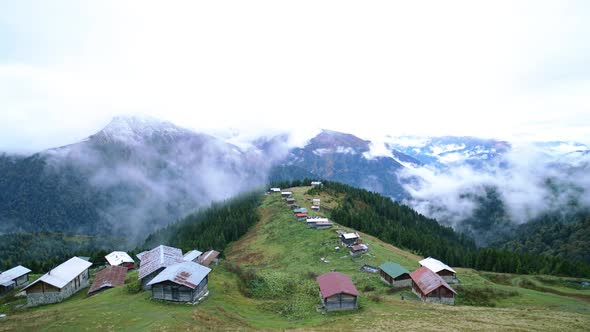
340, 302
170, 291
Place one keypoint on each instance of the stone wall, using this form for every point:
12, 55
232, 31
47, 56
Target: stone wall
35, 299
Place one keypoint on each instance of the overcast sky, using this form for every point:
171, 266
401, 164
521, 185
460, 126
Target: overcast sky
500, 69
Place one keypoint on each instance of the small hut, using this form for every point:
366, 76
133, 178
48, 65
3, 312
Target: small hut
59, 283
395, 275
290, 200
337, 292
275, 190
358, 249
315, 183
300, 210
349, 239
120, 258
430, 287
319, 223
301, 216
440, 268
209, 257
181, 282
286, 194
109, 277
16, 277
156, 260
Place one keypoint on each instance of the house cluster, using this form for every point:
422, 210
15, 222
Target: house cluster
175, 277
165, 271
301, 213
353, 242
430, 282
337, 291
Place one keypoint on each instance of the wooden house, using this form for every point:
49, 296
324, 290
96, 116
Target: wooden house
315, 201
349, 239
358, 249
300, 210
16, 277
315, 207
181, 282
395, 275
319, 223
109, 277
275, 190
315, 183
209, 257
286, 194
440, 268
155, 261
337, 292
430, 287
60, 283
301, 216
120, 258
192, 256
290, 200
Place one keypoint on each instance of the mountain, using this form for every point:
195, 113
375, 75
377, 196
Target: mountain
132, 177
346, 158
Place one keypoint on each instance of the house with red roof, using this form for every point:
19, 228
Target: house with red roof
109, 277
430, 287
337, 292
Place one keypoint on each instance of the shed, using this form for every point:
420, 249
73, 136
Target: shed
209, 257
300, 210
395, 275
16, 277
181, 282
349, 239
109, 277
440, 268
320, 223
59, 283
120, 258
286, 194
358, 249
430, 287
337, 292
192, 256
315, 207
156, 260
301, 216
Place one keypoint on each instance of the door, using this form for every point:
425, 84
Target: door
175, 294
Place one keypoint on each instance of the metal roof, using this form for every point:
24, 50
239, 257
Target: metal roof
140, 255
64, 273
315, 200
159, 257
349, 236
333, 283
275, 189
429, 281
394, 270
360, 246
317, 219
300, 215
112, 276
300, 210
208, 257
8, 276
118, 257
188, 274
192, 255
286, 193
435, 265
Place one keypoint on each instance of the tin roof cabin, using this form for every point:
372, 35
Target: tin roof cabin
290, 200
16, 277
349, 239
192, 256
156, 260
440, 268
275, 190
395, 275
315, 201
60, 283
300, 210
319, 223
109, 277
337, 292
120, 258
181, 282
316, 183
209, 257
286, 194
301, 216
430, 287
358, 249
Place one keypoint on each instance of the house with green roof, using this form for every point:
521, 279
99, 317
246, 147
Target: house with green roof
395, 275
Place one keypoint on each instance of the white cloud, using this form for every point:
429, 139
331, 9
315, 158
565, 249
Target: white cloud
426, 68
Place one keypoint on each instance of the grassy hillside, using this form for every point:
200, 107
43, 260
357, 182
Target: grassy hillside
279, 258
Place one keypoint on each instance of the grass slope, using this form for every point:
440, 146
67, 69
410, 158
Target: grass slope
284, 255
